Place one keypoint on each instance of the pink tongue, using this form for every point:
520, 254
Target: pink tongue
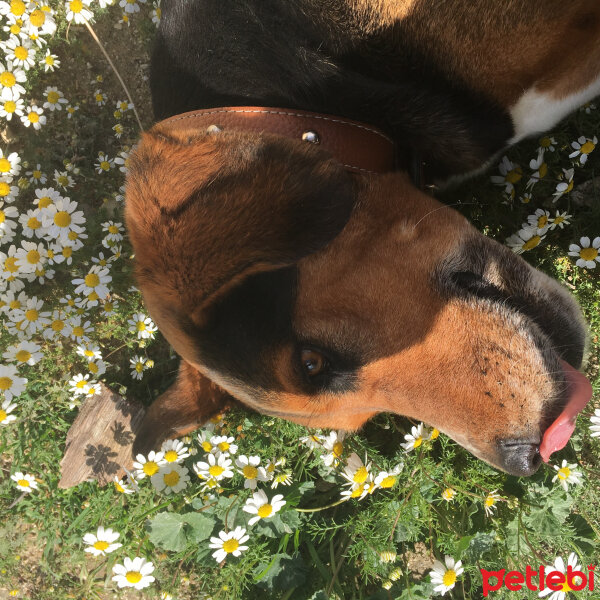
580, 393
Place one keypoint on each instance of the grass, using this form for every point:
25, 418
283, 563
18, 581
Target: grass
316, 547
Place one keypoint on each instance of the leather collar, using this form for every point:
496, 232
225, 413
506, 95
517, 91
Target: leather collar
360, 147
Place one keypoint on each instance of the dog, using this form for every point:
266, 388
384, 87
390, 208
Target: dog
312, 280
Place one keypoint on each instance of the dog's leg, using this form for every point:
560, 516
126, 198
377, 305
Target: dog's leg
186, 405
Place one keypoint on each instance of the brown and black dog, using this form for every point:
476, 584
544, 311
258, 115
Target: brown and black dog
324, 296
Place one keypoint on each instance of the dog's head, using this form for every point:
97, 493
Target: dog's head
322, 297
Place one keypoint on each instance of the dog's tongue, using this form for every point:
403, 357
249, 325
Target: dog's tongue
580, 393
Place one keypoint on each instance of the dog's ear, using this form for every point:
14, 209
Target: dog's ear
205, 211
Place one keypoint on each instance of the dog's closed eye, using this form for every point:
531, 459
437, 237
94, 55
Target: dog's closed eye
325, 370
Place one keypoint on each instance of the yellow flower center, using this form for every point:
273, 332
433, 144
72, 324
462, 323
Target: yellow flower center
101, 545
2, 217
4, 188
448, 494
543, 170
338, 449
357, 492
361, 475
171, 455
15, 28
53, 97
113, 229
542, 222
230, 546
99, 98
206, 446
4, 165
49, 59
31, 314
418, 442
564, 473
67, 251
44, 201
76, 6
23, 483
532, 242
57, 325
588, 253
33, 257
93, 297
141, 326
250, 472
7, 79
105, 165
449, 578
81, 384
10, 106
93, 367
5, 383
33, 223
587, 147
17, 7
37, 174
63, 180
434, 434
265, 510
388, 482
223, 446
119, 487
139, 367
37, 18
490, 500
21, 53
514, 175
10, 265
545, 142
33, 117
569, 187
23, 355
215, 470
131, 576
171, 479
150, 468
92, 280
558, 220
3, 415
62, 218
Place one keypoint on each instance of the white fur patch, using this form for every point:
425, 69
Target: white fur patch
536, 112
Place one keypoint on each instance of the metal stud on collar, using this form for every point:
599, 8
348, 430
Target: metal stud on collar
213, 129
311, 136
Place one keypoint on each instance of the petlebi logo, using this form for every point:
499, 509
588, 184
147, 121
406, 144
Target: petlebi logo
545, 579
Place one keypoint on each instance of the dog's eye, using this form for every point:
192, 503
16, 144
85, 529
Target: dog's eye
313, 362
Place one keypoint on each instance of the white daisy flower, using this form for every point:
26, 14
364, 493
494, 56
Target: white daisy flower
102, 542
281, 478
63, 179
565, 186
595, 423
13, 9
78, 11
94, 281
40, 20
57, 327
525, 239
8, 193
249, 467
122, 160
171, 478
24, 352
540, 221
314, 440
100, 98
415, 438
215, 467
334, 446
124, 105
19, 52
547, 143
510, 174
10, 166
11, 78
5, 412
448, 494
31, 223
137, 366
25, 482
79, 384
80, 333
104, 163
443, 577
142, 325
71, 110
359, 490
156, 12
34, 117
559, 566
229, 543
61, 217
560, 220
567, 474
134, 572
8, 108
148, 465
388, 479
539, 168
54, 98
355, 471
260, 505
30, 318
36, 175
118, 129
126, 485
114, 231
489, 503
131, 6
587, 253
174, 451
50, 61
583, 147
224, 444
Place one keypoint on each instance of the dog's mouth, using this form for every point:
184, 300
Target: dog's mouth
578, 393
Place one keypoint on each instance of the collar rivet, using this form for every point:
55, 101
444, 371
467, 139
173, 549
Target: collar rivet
311, 136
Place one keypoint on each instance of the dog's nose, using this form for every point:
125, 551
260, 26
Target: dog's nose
520, 457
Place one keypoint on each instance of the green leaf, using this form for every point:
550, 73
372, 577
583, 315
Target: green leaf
200, 526
482, 542
167, 532
283, 573
542, 521
463, 544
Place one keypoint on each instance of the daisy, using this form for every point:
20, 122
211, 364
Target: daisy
282, 478
415, 438
71, 110
583, 146
44, 197
122, 159
134, 572
174, 451
248, 466
587, 254
33, 116
560, 220
126, 485
30, 256
559, 566
204, 438
156, 12
143, 325
11, 79
19, 52
114, 231
78, 11
540, 221
224, 444
388, 479
54, 98
523, 240
30, 318
262, 507
36, 175
355, 471
547, 143
314, 440
171, 477
137, 366
8, 193
102, 542
333, 443
94, 281
96, 367
539, 168
215, 468
5, 409
100, 98
40, 19
60, 218
31, 223
10, 166
94, 389
567, 474
148, 465
490, 503
8, 108
79, 384
63, 179
131, 6
448, 494
13, 8
444, 577
25, 352
25, 482
89, 351
124, 105
50, 61
510, 174
229, 543
118, 129
565, 186
57, 326
104, 163
595, 426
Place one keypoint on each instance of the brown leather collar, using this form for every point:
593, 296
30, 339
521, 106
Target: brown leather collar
358, 146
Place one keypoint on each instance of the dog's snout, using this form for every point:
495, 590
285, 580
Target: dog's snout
520, 457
